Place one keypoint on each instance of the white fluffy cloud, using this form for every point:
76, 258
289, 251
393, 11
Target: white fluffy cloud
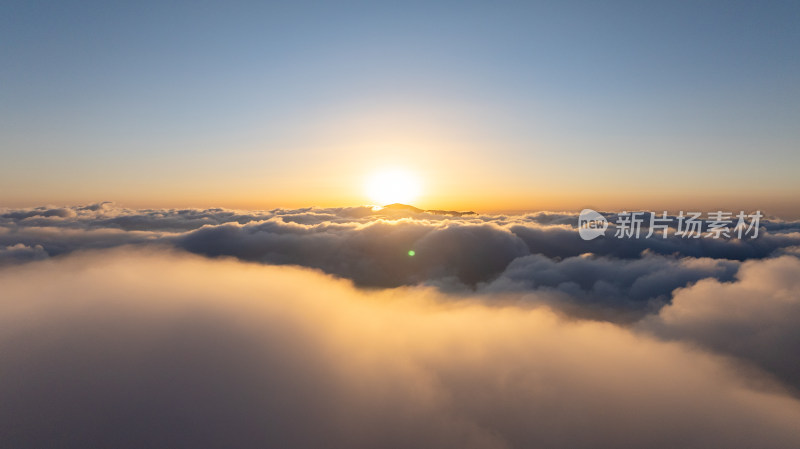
537, 251
223, 328
139, 347
755, 318
20, 253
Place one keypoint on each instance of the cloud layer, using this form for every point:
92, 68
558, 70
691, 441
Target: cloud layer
539, 251
754, 318
315, 327
134, 347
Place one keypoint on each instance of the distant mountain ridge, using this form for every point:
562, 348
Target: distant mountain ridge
408, 208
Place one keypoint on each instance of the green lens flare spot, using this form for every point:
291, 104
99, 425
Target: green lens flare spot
411, 252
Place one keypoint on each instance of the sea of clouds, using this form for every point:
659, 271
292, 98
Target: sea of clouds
315, 328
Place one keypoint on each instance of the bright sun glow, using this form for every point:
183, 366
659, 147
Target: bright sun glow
393, 186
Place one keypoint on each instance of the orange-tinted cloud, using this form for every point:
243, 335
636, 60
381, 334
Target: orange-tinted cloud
130, 348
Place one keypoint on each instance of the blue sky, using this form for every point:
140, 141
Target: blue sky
515, 104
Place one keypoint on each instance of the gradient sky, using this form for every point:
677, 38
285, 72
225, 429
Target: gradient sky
497, 106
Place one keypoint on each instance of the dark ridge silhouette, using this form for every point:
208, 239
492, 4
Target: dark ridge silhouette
416, 210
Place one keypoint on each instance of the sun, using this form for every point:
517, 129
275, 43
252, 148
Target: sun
392, 186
